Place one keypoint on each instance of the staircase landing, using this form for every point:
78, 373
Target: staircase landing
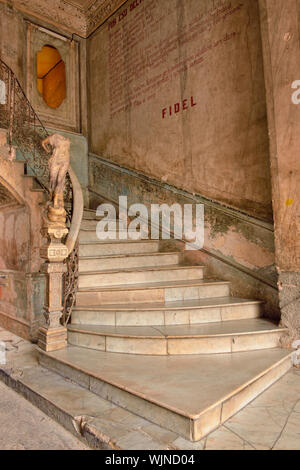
191, 395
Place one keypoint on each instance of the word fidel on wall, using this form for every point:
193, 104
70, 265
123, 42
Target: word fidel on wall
136, 223
179, 107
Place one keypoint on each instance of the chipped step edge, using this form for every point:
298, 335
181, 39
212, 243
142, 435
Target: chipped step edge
79, 426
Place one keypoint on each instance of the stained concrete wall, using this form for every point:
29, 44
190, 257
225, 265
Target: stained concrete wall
176, 92
177, 114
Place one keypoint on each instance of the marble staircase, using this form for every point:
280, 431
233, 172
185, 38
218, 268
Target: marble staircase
151, 333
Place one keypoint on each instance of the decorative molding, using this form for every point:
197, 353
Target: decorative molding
83, 5
67, 116
100, 11
70, 15
59, 13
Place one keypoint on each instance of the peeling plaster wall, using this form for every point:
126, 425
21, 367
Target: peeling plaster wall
22, 299
14, 240
202, 55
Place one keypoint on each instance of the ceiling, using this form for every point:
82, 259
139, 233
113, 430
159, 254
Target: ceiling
81, 4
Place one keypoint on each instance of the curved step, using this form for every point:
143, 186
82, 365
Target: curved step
212, 338
188, 312
89, 235
118, 248
140, 275
144, 260
153, 292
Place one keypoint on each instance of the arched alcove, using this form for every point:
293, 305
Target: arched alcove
51, 76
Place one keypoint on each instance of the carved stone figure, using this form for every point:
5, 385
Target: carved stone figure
58, 166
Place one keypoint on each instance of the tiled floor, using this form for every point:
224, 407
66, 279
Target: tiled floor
272, 421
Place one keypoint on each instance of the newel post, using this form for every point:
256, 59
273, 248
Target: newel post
53, 335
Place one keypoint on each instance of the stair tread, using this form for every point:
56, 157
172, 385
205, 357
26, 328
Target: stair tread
179, 305
89, 229
106, 242
186, 385
183, 331
155, 285
131, 255
139, 269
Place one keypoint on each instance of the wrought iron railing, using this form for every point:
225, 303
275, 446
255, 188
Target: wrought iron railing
26, 132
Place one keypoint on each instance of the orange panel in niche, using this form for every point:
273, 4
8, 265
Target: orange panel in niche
51, 76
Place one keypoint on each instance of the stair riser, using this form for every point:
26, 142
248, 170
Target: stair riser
91, 236
86, 265
90, 224
152, 295
139, 277
176, 346
107, 249
167, 317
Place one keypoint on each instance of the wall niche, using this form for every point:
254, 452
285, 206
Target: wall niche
53, 78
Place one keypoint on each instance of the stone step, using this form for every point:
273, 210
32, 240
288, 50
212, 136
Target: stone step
212, 338
89, 214
118, 248
89, 224
189, 395
189, 312
153, 292
140, 275
128, 261
90, 235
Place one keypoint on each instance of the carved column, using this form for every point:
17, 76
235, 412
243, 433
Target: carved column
53, 336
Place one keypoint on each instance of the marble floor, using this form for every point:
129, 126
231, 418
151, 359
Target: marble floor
270, 422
